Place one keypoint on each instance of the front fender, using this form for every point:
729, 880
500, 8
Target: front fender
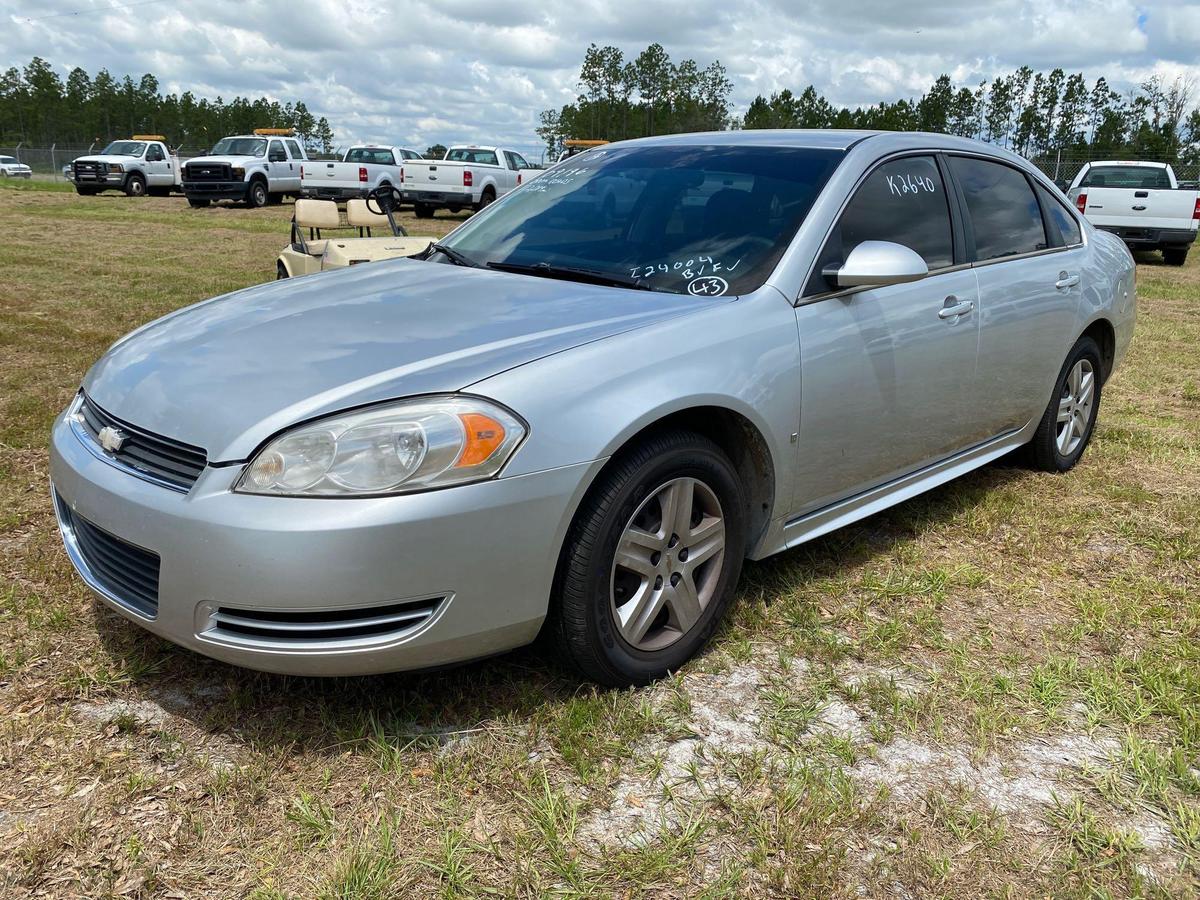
588, 402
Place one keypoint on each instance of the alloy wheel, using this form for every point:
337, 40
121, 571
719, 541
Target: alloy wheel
1075, 407
668, 564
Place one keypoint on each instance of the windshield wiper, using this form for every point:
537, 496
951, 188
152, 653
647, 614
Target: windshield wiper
570, 273
451, 254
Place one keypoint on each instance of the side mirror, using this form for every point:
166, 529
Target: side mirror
877, 263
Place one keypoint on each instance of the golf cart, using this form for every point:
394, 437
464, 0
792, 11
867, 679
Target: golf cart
309, 251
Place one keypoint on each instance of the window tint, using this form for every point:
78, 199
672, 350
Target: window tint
470, 155
1003, 210
295, 148
903, 201
1061, 220
277, 153
380, 156
1151, 177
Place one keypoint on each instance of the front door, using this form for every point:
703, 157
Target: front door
888, 374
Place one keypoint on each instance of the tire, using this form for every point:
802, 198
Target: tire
454, 210
281, 271
1049, 450
584, 623
1174, 256
257, 194
198, 202
135, 185
486, 199
422, 211
85, 191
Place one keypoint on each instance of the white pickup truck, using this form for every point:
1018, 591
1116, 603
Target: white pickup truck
467, 177
257, 168
139, 166
362, 170
1141, 203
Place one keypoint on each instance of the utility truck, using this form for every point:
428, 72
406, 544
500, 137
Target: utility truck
258, 169
142, 165
1141, 203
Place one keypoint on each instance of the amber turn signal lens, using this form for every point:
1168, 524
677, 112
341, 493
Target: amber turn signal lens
484, 434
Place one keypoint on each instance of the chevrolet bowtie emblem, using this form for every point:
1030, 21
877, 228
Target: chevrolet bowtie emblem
111, 439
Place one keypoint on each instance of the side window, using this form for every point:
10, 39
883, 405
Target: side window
1060, 219
519, 161
154, 153
1003, 210
297, 153
277, 153
902, 201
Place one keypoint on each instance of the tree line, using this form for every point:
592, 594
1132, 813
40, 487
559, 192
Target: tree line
40, 108
1032, 113
648, 94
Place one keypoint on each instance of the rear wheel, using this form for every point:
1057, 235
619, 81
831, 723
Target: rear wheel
650, 562
198, 202
1175, 256
135, 185
1069, 419
487, 198
423, 211
281, 271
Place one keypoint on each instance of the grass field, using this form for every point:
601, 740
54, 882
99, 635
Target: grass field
991, 690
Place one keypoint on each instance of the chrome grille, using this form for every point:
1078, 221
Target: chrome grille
318, 627
126, 573
160, 458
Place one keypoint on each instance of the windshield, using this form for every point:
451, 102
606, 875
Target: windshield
240, 147
1126, 177
124, 148
7, 159
682, 219
479, 157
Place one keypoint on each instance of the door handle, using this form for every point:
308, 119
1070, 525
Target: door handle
1066, 281
955, 308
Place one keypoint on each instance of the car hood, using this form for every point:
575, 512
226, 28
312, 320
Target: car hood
226, 160
109, 159
230, 372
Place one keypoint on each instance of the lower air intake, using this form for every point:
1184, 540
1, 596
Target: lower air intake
312, 628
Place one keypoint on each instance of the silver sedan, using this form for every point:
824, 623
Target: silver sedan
578, 418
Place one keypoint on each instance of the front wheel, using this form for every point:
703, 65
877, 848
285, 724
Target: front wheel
650, 562
1069, 419
1175, 256
85, 191
256, 195
198, 202
135, 186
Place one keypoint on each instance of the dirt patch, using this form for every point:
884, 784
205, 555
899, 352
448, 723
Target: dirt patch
724, 718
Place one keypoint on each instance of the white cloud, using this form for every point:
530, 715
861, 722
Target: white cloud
481, 70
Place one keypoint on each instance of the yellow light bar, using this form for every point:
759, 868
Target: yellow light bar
276, 132
148, 137
575, 143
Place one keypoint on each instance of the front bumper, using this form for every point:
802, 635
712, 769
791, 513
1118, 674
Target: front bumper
1151, 237
21, 174
215, 190
481, 556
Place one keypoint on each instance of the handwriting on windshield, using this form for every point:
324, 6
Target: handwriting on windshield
690, 268
903, 185
557, 176
708, 286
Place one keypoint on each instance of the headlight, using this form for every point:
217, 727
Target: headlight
115, 168
239, 173
412, 445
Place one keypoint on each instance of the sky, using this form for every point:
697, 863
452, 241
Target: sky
444, 71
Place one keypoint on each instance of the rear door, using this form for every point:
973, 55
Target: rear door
888, 374
1028, 252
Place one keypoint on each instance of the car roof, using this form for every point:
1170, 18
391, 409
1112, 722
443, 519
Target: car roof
824, 138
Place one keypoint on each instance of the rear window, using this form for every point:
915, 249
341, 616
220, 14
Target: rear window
469, 155
1003, 211
374, 155
1151, 177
